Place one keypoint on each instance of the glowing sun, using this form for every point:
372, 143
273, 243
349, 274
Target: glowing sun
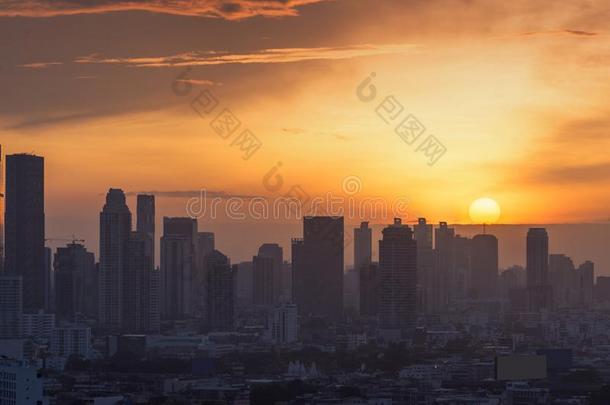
484, 211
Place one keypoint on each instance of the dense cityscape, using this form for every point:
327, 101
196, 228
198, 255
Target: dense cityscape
431, 320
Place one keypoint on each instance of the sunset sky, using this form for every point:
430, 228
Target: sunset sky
517, 92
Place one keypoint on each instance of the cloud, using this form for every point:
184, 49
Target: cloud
227, 9
275, 55
577, 33
202, 192
573, 174
39, 65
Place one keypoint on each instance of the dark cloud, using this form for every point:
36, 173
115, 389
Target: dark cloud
233, 10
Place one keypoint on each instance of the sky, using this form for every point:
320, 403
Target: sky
515, 92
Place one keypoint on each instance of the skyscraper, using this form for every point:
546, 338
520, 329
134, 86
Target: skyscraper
443, 280
115, 231
25, 227
318, 268
146, 219
397, 279
362, 246
177, 267
584, 283
1, 210
221, 283
561, 278
276, 253
262, 280
369, 289
484, 267
537, 267
76, 285
422, 233
11, 307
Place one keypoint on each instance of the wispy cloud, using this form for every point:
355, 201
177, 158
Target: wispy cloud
232, 10
274, 55
39, 65
577, 33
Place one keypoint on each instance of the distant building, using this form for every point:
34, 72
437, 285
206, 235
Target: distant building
76, 282
362, 246
484, 267
71, 340
146, 220
369, 288
397, 278
443, 280
561, 276
317, 264
11, 307
177, 267
462, 257
284, 324
221, 282
245, 284
537, 257
584, 283
115, 231
426, 278
38, 325
24, 221
21, 384
276, 253
263, 271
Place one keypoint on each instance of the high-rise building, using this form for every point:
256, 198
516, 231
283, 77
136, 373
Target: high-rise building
363, 247
276, 253
221, 283
484, 267
263, 280
11, 307
21, 384
76, 283
1, 210
422, 233
284, 324
444, 281
115, 231
318, 268
561, 277
369, 288
397, 279
25, 227
537, 267
584, 283
177, 267
146, 219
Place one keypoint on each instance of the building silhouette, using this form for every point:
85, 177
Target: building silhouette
115, 231
318, 268
537, 266
397, 280
443, 279
1, 210
76, 283
362, 246
422, 232
25, 228
369, 288
221, 283
263, 271
276, 253
11, 307
177, 267
484, 267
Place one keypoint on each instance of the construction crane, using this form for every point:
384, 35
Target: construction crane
73, 240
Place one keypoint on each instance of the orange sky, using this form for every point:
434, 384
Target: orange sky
517, 93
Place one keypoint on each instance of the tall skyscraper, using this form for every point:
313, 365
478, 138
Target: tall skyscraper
462, 247
25, 227
221, 283
177, 267
262, 280
397, 279
363, 247
484, 267
561, 278
422, 233
115, 231
1, 210
318, 268
369, 290
146, 219
443, 280
537, 267
76, 285
276, 253
11, 307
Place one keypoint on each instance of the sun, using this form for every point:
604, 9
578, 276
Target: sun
484, 211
